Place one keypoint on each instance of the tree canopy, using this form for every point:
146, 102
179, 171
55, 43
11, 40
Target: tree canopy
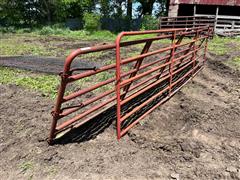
35, 12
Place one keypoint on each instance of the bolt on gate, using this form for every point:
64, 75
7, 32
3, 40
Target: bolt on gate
134, 84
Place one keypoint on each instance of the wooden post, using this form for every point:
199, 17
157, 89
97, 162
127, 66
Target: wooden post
233, 25
194, 14
194, 10
216, 19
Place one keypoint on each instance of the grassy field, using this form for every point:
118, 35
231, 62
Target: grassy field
50, 41
46, 84
53, 41
221, 46
59, 42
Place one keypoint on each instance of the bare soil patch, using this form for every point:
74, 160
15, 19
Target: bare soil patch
195, 135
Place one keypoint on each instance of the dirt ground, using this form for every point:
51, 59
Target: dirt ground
195, 135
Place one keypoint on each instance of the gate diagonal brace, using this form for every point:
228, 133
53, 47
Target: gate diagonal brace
137, 66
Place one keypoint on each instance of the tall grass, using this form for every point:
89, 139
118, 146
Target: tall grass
58, 30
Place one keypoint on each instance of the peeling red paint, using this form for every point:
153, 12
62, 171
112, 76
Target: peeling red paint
208, 2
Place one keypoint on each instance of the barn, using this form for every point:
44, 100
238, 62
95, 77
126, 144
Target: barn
226, 12
209, 7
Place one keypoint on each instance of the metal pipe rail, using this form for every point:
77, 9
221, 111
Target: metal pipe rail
187, 21
170, 66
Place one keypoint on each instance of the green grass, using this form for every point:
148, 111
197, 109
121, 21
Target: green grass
26, 166
34, 43
237, 60
102, 35
47, 41
83, 35
94, 56
42, 42
80, 34
221, 46
46, 84
63, 32
27, 44
14, 47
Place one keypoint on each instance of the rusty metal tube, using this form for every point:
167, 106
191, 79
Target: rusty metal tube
154, 107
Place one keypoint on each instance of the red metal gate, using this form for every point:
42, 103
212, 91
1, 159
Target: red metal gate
174, 67
147, 79
186, 21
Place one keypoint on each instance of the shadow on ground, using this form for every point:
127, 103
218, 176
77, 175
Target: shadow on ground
98, 124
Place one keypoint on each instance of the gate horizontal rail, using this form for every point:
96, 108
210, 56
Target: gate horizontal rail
186, 21
167, 68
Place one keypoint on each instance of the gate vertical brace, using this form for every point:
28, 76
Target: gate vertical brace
167, 60
136, 67
171, 65
118, 87
57, 107
194, 49
190, 48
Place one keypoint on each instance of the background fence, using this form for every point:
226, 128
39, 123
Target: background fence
186, 21
223, 25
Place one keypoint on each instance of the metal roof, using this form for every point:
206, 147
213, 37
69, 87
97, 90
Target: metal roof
208, 2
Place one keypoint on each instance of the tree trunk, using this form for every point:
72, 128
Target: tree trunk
129, 9
147, 6
48, 12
